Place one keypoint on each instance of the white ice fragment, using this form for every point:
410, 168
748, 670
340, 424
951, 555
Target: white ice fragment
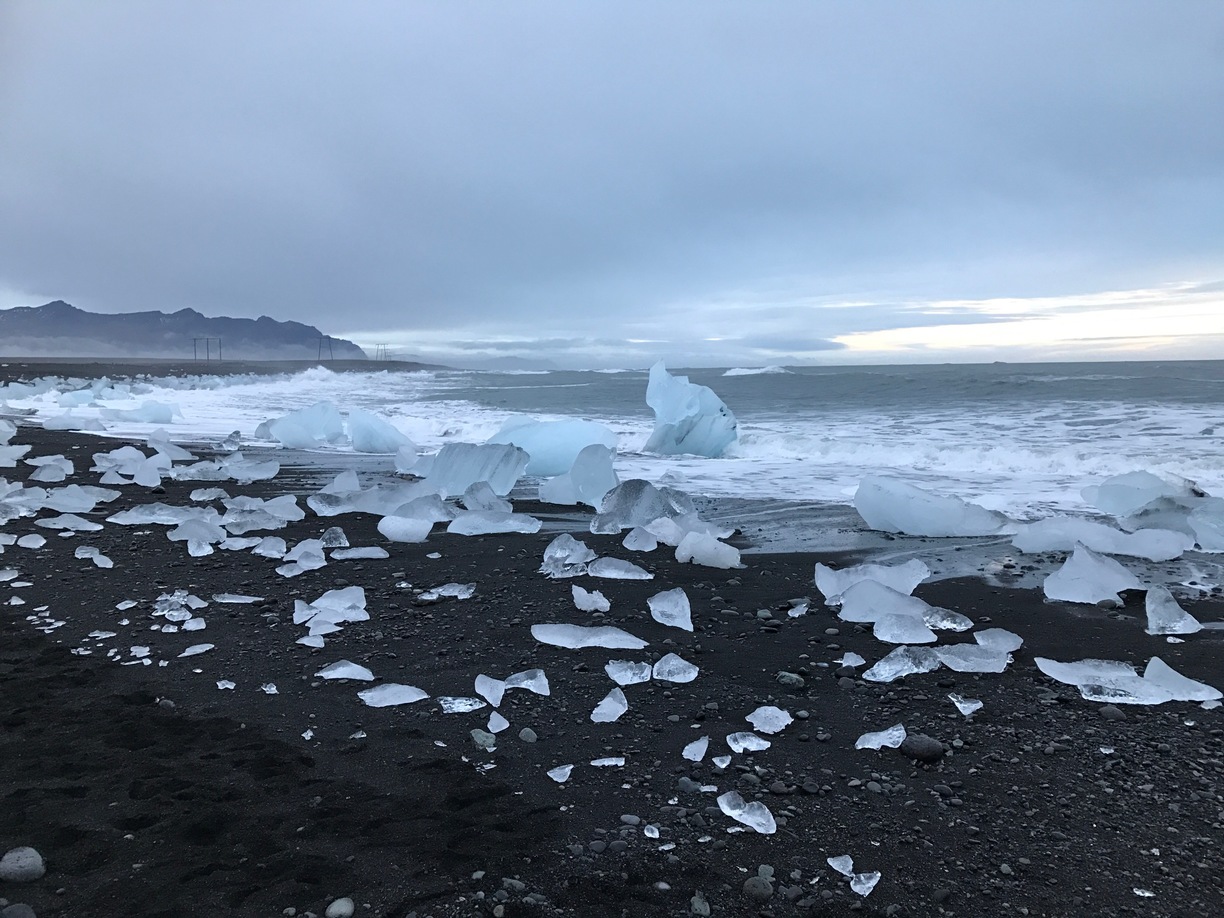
616, 569
589, 478
769, 719
497, 723
554, 446
531, 680
999, 639
490, 689
696, 750
269, 688
196, 649
574, 637
390, 694
369, 433
565, 556
747, 742
450, 590
1135, 492
1159, 673
307, 428
967, 706
33, 540
900, 577
707, 551
458, 466
590, 601
640, 539
889, 505
491, 522
611, 707
345, 669
1165, 616
891, 738
864, 883
1106, 681
672, 668
902, 629
972, 658
479, 496
236, 598
1087, 577
755, 815
610, 761
404, 529
689, 418
903, 661
69, 522
721, 761
843, 864
869, 600
850, 658
561, 773
671, 607
225, 684
623, 672
194, 624
451, 704
1064, 533
353, 554
638, 503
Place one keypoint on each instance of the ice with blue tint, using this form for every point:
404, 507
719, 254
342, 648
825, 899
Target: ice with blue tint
636, 502
368, 433
900, 577
307, 428
1138, 492
587, 481
689, 419
553, 446
1089, 578
1061, 533
1165, 616
889, 505
458, 466
707, 551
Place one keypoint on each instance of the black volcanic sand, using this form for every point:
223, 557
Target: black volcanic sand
149, 791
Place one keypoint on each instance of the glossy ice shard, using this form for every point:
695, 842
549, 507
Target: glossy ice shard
705, 550
745, 741
390, 694
574, 637
616, 569
610, 708
755, 815
999, 639
590, 601
672, 668
1063, 533
972, 658
369, 433
554, 446
671, 607
624, 672
587, 481
451, 704
565, 556
891, 738
966, 706
889, 505
696, 750
903, 661
491, 522
345, 669
637, 502
531, 680
770, 719
900, 577
1165, 616
1090, 578
490, 689
902, 629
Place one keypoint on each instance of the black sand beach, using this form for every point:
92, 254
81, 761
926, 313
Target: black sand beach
151, 792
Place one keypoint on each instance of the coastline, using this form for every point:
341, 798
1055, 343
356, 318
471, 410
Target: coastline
230, 810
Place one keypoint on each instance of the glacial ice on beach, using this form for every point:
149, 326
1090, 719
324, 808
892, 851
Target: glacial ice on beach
707, 551
490, 689
458, 466
529, 680
561, 773
696, 750
449, 590
769, 719
404, 529
451, 704
69, 522
903, 661
754, 815
149, 412
967, 706
636, 502
1090, 578
673, 668
587, 481
671, 608
745, 741
1064, 532
196, 649
610, 708
345, 669
554, 446
1206, 521
1133, 493
590, 601
574, 637
566, 557
889, 505
479, 496
689, 419
624, 672
1165, 616
901, 577
307, 428
616, 569
368, 433
492, 522
998, 639
1116, 682
390, 694
972, 658
868, 601
902, 629
640, 539
891, 738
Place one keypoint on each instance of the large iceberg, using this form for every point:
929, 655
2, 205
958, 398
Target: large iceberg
553, 445
587, 481
688, 418
306, 428
889, 505
369, 433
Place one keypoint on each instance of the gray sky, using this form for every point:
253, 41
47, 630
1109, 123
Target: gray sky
601, 183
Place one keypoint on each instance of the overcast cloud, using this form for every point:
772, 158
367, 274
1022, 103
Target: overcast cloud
712, 182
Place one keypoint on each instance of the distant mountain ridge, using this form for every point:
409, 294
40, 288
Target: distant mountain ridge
58, 329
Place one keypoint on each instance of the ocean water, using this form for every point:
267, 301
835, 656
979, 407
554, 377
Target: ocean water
1020, 438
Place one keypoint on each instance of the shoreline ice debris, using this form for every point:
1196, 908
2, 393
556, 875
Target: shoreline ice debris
703, 549
900, 577
561, 773
671, 608
967, 706
755, 815
616, 569
637, 503
492, 522
672, 668
1165, 616
566, 557
903, 661
590, 477
623, 672
490, 689
696, 750
318, 425
369, 433
891, 738
589, 601
770, 719
1116, 682
1134, 493
553, 446
577, 637
345, 669
689, 418
610, 708
890, 505
745, 741
1089, 578
458, 466
531, 680
452, 704
390, 694
1064, 533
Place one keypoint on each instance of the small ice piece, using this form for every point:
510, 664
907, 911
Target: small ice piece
224, 684
194, 624
590, 601
203, 495
611, 707
671, 607
755, 815
972, 658
306, 428
843, 864
345, 669
903, 661
609, 761
689, 418
672, 668
196, 649
747, 742
236, 598
334, 538
849, 658
864, 883
497, 723
453, 590
967, 706
1165, 616
404, 529
769, 719
270, 547
999, 639
889, 505
69, 522
705, 550
561, 773
1159, 673
532, 680
455, 705
574, 637
1133, 492
33, 540
1105, 681
1087, 577
798, 609
696, 750
269, 688
891, 738
640, 539
390, 694
492, 522
490, 689
721, 761
938, 619
354, 554
650, 830
623, 672
458, 466
867, 601
565, 557
900, 577
902, 629
616, 569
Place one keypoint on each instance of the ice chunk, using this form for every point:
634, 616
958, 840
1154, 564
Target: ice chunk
1108, 681
843, 864
1206, 521
747, 742
406, 458
611, 708
196, 649
616, 569
587, 481
574, 637
458, 466
565, 556
32, 540
864, 883
849, 658
640, 539
306, 428
769, 719
480, 496
353, 554
696, 750
672, 668
1062, 534
868, 601
707, 551
1087, 577
900, 577
755, 815
450, 590
425, 507
344, 669
624, 672
721, 761
1165, 616
899, 628
497, 723
999, 639
688, 418
938, 619
967, 706
99, 559
554, 446
638, 503
332, 538
451, 704
207, 494
972, 658
390, 694
404, 529
903, 661
1160, 674
561, 773
1135, 492
889, 505
671, 608
369, 433
490, 689
270, 547
489, 522
594, 601
891, 738
531, 680
69, 522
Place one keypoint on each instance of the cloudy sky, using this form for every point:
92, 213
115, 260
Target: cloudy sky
602, 183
